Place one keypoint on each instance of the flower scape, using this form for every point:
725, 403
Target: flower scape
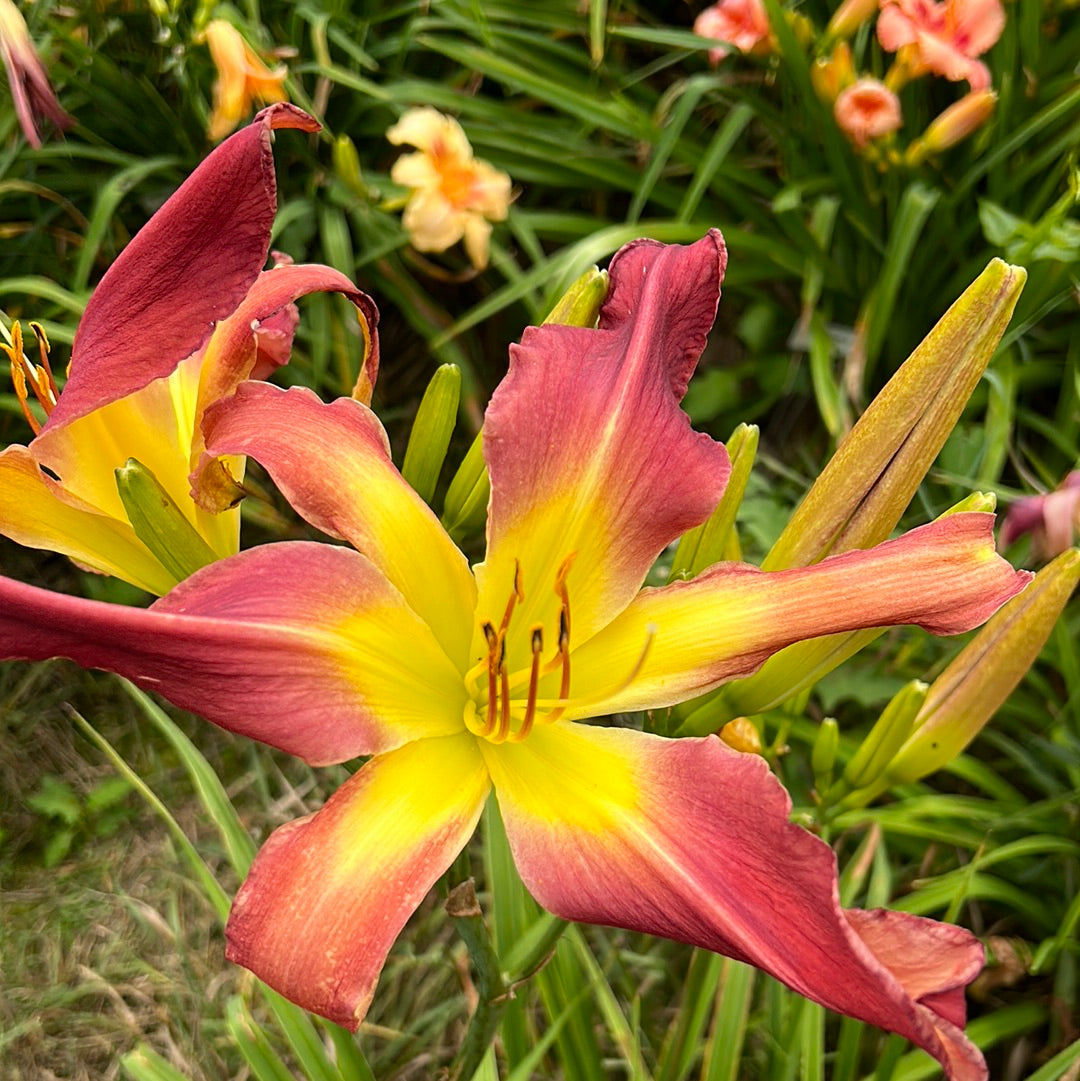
456, 681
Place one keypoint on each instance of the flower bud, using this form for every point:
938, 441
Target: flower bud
467, 497
823, 753
887, 736
849, 16
956, 123
834, 73
970, 690
347, 166
431, 431
871, 478
579, 306
741, 735
159, 523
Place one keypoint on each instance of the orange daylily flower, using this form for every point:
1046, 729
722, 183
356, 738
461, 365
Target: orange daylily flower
243, 79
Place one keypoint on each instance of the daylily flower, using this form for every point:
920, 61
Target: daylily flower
459, 681
183, 315
742, 24
29, 82
454, 195
1053, 519
942, 37
242, 78
867, 110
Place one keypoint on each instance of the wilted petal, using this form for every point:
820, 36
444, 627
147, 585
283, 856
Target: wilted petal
690, 840
332, 463
302, 646
232, 351
328, 894
588, 450
30, 88
687, 637
154, 306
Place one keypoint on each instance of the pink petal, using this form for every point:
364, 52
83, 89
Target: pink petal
976, 25
328, 894
728, 620
588, 450
302, 646
188, 267
690, 840
332, 463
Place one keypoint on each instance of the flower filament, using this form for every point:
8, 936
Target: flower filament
27, 376
501, 707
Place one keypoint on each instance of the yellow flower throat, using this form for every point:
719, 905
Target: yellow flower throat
495, 710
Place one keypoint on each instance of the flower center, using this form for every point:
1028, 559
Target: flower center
28, 376
497, 709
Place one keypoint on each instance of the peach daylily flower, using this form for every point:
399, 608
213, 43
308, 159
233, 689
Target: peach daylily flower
243, 78
942, 38
454, 195
866, 110
743, 24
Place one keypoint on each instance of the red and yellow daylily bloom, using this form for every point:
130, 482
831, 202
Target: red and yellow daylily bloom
183, 315
458, 681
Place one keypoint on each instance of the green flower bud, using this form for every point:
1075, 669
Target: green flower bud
159, 523
823, 753
579, 306
431, 431
887, 736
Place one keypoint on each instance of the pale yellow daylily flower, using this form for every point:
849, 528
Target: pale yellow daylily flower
454, 195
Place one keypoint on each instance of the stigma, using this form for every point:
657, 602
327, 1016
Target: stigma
506, 714
27, 376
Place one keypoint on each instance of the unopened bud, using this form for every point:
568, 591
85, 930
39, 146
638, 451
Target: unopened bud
834, 73
467, 497
849, 16
874, 474
579, 306
956, 123
968, 693
823, 753
431, 431
887, 736
347, 166
741, 735
159, 523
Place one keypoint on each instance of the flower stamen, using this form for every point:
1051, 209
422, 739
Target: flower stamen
27, 376
534, 679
